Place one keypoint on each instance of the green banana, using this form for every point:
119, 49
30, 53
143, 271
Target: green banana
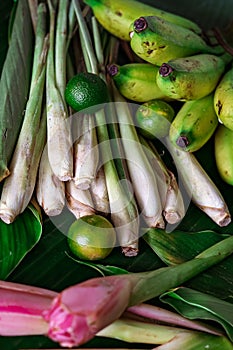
223, 150
223, 98
190, 78
136, 81
116, 16
194, 124
156, 40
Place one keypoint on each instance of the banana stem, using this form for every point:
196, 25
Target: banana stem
59, 138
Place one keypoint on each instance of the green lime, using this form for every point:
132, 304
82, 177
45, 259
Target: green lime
86, 90
92, 237
154, 118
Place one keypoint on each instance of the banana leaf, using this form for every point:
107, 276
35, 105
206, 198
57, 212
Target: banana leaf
17, 239
196, 305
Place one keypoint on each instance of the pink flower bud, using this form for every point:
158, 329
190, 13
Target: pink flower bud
82, 310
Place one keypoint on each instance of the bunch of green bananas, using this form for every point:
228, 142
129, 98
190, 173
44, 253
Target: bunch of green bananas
176, 64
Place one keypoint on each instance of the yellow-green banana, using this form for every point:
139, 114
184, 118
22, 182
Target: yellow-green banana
190, 78
194, 124
116, 16
156, 40
136, 81
223, 147
223, 99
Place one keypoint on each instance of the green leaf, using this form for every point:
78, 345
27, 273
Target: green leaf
179, 246
14, 83
104, 270
17, 239
196, 305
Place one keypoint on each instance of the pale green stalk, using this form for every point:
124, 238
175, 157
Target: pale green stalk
141, 173
41, 29
60, 46
199, 186
18, 187
169, 337
50, 191
84, 33
123, 210
33, 4
78, 201
71, 24
59, 140
86, 151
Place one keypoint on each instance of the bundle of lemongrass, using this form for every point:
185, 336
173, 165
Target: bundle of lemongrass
97, 163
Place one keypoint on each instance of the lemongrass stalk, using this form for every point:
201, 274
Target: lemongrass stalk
173, 203
50, 191
78, 201
169, 337
40, 33
118, 157
141, 173
199, 186
99, 192
60, 46
18, 187
59, 138
21, 308
123, 211
162, 177
33, 5
86, 151
85, 35
71, 24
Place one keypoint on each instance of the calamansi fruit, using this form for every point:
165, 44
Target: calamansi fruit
154, 118
91, 237
86, 90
